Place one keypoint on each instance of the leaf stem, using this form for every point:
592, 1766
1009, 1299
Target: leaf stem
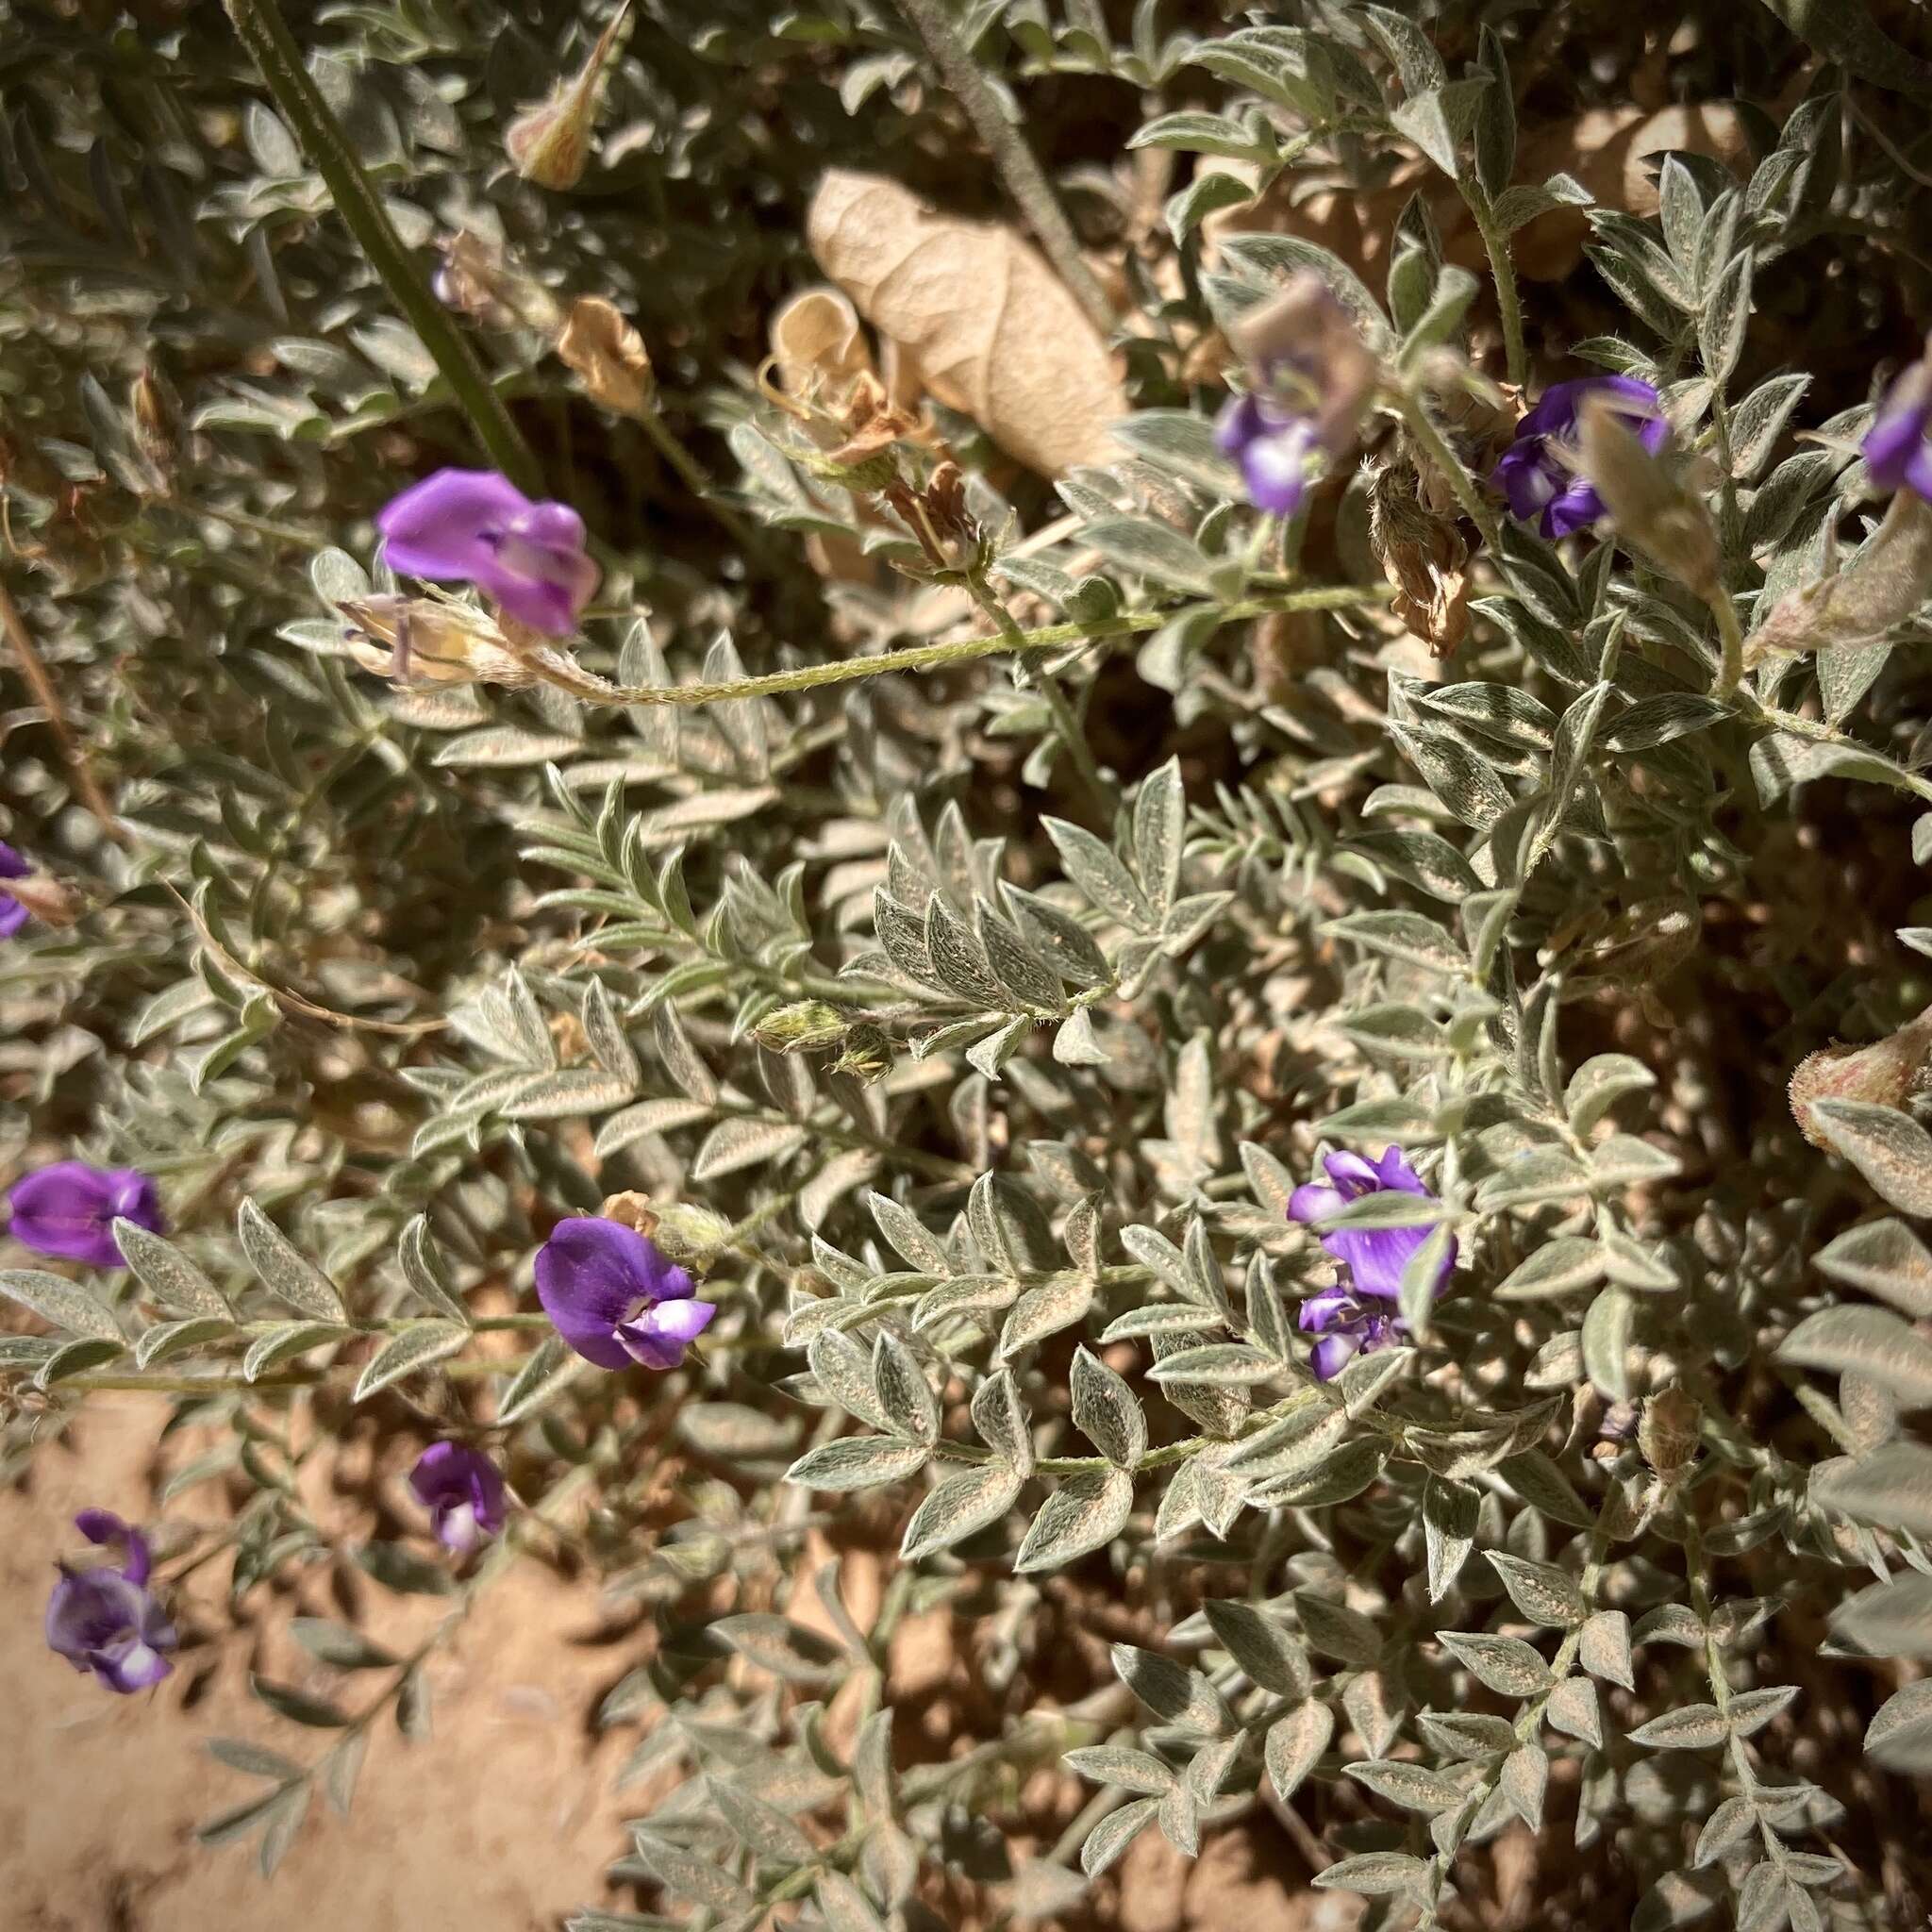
259, 25
1503, 273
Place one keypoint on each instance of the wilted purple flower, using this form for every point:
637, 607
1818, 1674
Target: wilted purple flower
462, 1492
1536, 472
103, 1619
1895, 449
1346, 1316
614, 1298
478, 526
69, 1207
13, 914
1274, 447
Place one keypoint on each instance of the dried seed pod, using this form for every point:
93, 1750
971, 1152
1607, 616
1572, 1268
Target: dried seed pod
607, 356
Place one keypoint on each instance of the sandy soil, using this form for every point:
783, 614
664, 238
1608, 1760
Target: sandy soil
501, 1821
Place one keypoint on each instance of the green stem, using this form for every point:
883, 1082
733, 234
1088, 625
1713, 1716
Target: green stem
1509, 303
1731, 633
265, 34
968, 650
695, 477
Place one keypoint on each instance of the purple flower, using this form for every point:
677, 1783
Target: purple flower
1348, 1316
478, 526
1346, 1326
70, 1208
1275, 448
12, 913
103, 1619
462, 1492
1537, 472
1895, 447
614, 1298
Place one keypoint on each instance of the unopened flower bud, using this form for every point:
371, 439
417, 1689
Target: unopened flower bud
690, 1235
479, 280
1882, 586
607, 356
52, 901
1423, 556
1666, 1435
1649, 506
868, 1054
801, 1027
549, 143
422, 641
1887, 1073
156, 422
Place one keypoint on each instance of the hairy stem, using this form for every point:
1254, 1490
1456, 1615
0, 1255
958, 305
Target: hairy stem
265, 34
1509, 302
1026, 180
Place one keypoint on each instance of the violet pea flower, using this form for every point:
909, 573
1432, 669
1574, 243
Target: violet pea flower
477, 526
69, 1209
1275, 447
1896, 451
463, 1493
615, 1298
1537, 473
104, 1620
1352, 1316
14, 915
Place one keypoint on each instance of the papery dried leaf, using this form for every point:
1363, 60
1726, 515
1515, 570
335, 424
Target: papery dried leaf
994, 331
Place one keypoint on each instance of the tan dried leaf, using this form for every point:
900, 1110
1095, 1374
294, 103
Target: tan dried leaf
608, 355
1424, 555
994, 331
818, 345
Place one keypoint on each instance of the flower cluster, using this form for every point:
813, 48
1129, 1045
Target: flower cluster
69, 1209
103, 1618
1358, 1314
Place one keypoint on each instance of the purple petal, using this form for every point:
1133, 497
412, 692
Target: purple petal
1523, 477
14, 915
1898, 432
1393, 1171
1238, 425
1331, 1356
12, 866
463, 1491
1375, 1257
104, 1527
1313, 1201
1353, 1175
1275, 469
102, 1622
540, 585
1919, 471
1323, 1311
449, 524
1576, 507
132, 1666
661, 1335
68, 1209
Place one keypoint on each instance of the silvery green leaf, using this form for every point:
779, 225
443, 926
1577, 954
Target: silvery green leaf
1724, 316
1182, 1697
1115, 1764
1178, 441
287, 1275
566, 1095
762, 1829
283, 1344
1758, 421
1449, 1517
1561, 1266
1086, 1513
738, 1143
1656, 721
252, 1759
1363, 1382
422, 1268
1523, 1779
1155, 551
1335, 1630
1339, 1476
680, 1058
605, 1032
844, 1907
905, 1397
1604, 1648
1573, 1709
1890, 1148
1104, 1410
172, 1280
1216, 1365
1606, 1329
418, 1346
1598, 1084
1111, 1837
1262, 1646
1545, 1488
1733, 1822
1024, 979
911, 1239
1892, 1487
1160, 820
1420, 1276
1093, 867
1378, 1874
1749, 1711
1694, 1727
1000, 1418
1295, 1743
962, 1506
1495, 120
1059, 938
777, 1645
702, 1881
1408, 48
1076, 1045
542, 1377
1308, 1432
76, 1357
335, 1643
1409, 937
1869, 1341
1413, 1787
1508, 1666
168, 1338
844, 1370
1543, 1593
63, 1303
1900, 1733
